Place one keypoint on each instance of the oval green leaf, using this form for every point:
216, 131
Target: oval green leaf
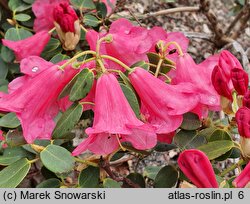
137, 179
22, 17
57, 159
82, 86
151, 171
91, 20
12, 175
89, 177
16, 34
216, 148
50, 183
190, 122
166, 178
9, 121
67, 121
110, 183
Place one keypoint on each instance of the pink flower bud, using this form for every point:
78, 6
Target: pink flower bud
244, 178
240, 80
243, 121
197, 167
65, 16
228, 61
246, 99
220, 82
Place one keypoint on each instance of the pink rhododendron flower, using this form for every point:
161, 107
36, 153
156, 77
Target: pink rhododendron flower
198, 75
43, 10
135, 40
114, 120
197, 167
243, 120
246, 99
244, 178
162, 104
240, 80
33, 45
34, 100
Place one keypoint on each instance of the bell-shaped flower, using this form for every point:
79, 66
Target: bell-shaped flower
114, 121
187, 71
240, 80
31, 46
243, 179
34, 98
164, 104
246, 99
67, 25
43, 10
135, 40
197, 167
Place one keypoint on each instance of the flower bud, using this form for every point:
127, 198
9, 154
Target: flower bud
197, 167
67, 25
220, 82
243, 121
240, 80
246, 99
243, 179
228, 61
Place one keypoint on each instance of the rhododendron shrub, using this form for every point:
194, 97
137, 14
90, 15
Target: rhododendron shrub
82, 94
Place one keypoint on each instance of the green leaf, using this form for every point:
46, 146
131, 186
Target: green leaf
185, 139
110, 183
58, 58
11, 155
82, 85
190, 122
7, 54
15, 138
50, 183
154, 59
207, 132
141, 64
91, 20
86, 4
219, 134
52, 48
164, 147
67, 121
216, 148
57, 159
66, 90
137, 179
126, 80
101, 9
166, 178
22, 17
132, 99
9, 121
89, 177
16, 34
4, 85
3, 69
12, 175
151, 171
18, 5
29, 1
